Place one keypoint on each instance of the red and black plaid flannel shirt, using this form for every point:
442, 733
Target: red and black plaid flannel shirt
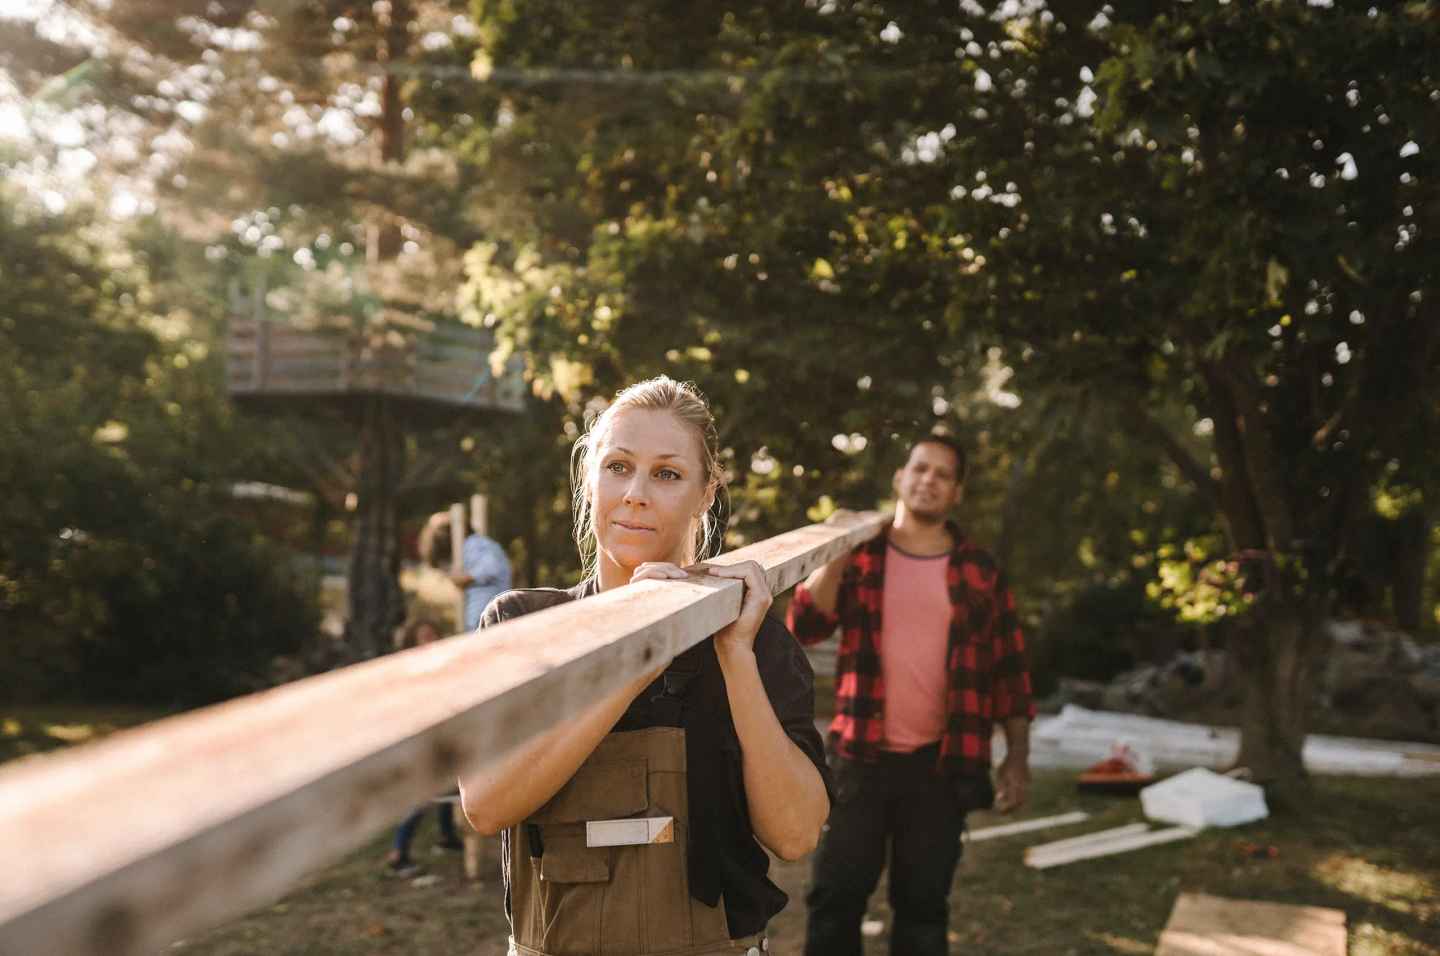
988, 678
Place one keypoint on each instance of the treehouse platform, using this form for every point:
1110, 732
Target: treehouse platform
432, 363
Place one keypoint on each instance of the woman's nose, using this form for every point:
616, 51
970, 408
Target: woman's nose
635, 491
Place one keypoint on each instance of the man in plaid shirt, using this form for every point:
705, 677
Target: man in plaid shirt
931, 658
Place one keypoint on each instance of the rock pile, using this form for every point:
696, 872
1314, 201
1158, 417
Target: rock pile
1372, 680
1380, 677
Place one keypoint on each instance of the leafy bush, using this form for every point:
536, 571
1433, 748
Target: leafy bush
121, 577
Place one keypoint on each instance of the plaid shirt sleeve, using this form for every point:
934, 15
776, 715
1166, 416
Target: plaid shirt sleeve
808, 622
1010, 692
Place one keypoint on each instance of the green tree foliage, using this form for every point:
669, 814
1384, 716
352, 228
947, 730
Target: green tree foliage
1166, 272
123, 575
1291, 313
281, 137
1206, 220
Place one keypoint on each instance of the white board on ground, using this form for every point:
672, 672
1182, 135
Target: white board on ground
1089, 851
1202, 925
1086, 839
1025, 826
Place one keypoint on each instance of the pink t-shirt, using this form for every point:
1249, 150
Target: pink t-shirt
914, 642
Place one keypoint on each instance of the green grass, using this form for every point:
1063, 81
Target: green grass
1360, 846
37, 729
355, 909
1367, 847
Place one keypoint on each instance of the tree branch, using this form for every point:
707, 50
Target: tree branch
1195, 472
1237, 501
1262, 459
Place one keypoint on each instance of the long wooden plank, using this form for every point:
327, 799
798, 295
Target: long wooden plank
1202, 925
122, 846
1089, 839
1043, 861
789, 558
1025, 826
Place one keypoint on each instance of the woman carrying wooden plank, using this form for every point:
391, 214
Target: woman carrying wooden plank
638, 827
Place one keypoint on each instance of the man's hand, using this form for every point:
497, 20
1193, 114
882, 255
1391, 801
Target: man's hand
1012, 783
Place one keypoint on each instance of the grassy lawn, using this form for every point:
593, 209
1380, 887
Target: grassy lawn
1367, 847
32, 730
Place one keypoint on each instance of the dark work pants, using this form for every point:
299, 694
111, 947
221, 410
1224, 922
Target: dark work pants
444, 816
900, 804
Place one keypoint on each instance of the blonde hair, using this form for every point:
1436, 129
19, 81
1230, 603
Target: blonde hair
659, 394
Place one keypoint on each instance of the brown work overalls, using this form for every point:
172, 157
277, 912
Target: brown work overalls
570, 899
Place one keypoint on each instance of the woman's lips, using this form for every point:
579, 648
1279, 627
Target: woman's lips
631, 527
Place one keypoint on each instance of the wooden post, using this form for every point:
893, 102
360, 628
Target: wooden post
457, 558
474, 846
125, 845
480, 514
474, 849
262, 336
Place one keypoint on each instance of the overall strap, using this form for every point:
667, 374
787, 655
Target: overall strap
671, 703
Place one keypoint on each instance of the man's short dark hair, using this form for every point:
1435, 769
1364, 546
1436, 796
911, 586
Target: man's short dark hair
944, 441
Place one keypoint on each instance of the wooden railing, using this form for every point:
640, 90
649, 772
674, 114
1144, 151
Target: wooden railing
434, 361
125, 845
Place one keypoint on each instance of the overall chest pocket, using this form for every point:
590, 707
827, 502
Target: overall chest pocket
570, 899
605, 791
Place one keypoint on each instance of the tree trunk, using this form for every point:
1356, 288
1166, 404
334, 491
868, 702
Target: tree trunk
383, 235
1274, 651
377, 604
1273, 644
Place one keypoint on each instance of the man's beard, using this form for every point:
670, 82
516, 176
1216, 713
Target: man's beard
928, 516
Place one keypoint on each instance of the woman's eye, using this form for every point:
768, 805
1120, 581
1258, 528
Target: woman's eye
616, 467
669, 474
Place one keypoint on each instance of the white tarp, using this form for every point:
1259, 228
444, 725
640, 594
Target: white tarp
1078, 738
